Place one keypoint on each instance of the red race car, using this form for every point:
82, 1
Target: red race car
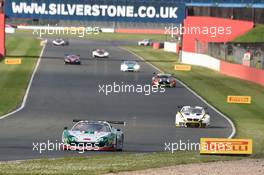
162, 79
72, 59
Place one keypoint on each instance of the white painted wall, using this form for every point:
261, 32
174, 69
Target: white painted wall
200, 60
10, 30
104, 30
39, 27
170, 47
108, 30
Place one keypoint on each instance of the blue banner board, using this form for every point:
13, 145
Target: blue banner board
99, 10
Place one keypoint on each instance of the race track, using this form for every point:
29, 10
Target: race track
61, 93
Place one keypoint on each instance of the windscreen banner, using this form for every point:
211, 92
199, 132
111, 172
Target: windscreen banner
100, 10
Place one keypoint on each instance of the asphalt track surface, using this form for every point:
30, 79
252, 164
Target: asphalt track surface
61, 93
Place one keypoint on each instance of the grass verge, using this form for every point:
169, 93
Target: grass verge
14, 78
253, 36
109, 163
214, 87
127, 37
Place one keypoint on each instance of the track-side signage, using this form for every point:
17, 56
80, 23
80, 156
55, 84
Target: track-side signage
183, 67
13, 61
100, 10
239, 99
225, 146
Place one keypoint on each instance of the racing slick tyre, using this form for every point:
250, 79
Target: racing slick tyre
119, 146
203, 125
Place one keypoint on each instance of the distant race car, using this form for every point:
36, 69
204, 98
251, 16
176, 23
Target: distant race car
100, 53
192, 116
166, 80
60, 42
93, 135
145, 42
130, 66
72, 59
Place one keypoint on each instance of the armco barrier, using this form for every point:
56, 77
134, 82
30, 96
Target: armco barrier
242, 72
141, 31
200, 60
39, 27
108, 30
10, 30
104, 30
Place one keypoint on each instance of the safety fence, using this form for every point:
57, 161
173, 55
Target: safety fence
249, 54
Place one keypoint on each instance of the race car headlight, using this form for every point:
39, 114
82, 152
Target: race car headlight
181, 116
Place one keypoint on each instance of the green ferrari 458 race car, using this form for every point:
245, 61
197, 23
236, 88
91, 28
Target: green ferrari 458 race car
93, 135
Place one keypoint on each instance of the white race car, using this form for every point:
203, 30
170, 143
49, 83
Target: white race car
60, 42
145, 42
192, 116
100, 53
130, 66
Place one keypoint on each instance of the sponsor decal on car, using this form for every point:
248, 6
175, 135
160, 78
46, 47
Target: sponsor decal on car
225, 146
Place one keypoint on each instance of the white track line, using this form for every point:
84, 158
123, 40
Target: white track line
194, 93
28, 87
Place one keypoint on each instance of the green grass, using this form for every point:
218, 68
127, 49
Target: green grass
253, 36
14, 78
110, 163
127, 37
214, 87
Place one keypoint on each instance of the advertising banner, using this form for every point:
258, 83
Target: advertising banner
100, 10
239, 99
13, 61
226, 146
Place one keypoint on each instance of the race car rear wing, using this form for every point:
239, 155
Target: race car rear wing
111, 122
117, 122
